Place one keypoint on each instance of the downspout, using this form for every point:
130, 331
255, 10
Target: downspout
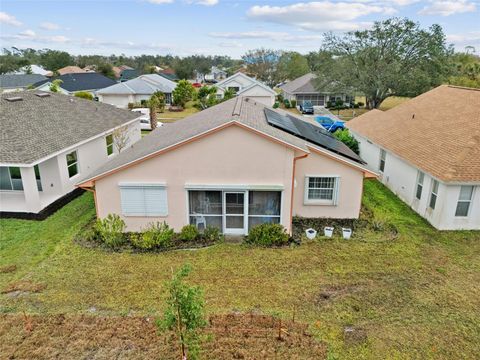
293, 188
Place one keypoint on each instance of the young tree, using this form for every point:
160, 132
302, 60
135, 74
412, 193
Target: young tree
394, 57
228, 94
55, 85
161, 100
184, 313
183, 93
153, 104
263, 64
207, 96
121, 137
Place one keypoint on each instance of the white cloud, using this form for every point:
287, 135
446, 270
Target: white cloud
206, 2
270, 35
466, 39
231, 44
30, 35
447, 7
49, 26
320, 15
27, 34
9, 19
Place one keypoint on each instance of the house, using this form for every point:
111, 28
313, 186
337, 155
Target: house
246, 86
49, 141
169, 74
71, 70
33, 69
303, 89
17, 82
136, 90
215, 75
427, 151
233, 166
118, 70
129, 74
72, 83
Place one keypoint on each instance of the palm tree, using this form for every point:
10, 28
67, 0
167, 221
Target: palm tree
153, 105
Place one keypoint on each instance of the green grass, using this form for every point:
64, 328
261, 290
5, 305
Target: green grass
416, 296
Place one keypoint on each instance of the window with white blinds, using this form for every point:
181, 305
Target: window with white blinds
144, 200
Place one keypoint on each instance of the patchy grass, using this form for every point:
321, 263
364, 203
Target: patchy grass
416, 295
172, 116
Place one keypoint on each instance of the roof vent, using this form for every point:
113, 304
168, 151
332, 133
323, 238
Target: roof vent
42, 95
14, 99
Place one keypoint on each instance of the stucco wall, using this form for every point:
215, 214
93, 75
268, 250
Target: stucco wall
260, 95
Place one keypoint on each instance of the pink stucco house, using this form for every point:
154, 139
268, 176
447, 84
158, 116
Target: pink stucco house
234, 165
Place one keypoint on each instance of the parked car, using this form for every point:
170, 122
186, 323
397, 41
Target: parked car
330, 124
306, 107
145, 118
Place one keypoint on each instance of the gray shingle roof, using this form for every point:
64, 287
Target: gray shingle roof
144, 85
13, 81
82, 81
37, 127
303, 84
240, 109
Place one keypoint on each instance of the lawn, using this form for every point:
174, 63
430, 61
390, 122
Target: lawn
171, 116
413, 296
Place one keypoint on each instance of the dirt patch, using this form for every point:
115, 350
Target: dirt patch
234, 336
8, 269
354, 335
329, 293
23, 287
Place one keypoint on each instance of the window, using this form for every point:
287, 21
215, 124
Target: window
144, 200
434, 194
263, 207
37, 177
464, 200
72, 164
109, 141
383, 156
205, 208
419, 189
321, 190
10, 178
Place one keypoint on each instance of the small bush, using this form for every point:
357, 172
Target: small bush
189, 233
212, 233
276, 105
110, 230
84, 95
361, 104
330, 104
356, 106
130, 105
280, 98
267, 235
156, 235
348, 139
293, 103
286, 102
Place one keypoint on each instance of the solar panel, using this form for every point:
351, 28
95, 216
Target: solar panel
310, 133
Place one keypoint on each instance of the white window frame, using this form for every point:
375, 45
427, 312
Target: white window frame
75, 163
11, 180
469, 201
433, 193
383, 158
419, 183
110, 145
143, 186
335, 193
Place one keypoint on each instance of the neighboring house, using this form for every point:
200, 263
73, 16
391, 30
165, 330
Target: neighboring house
18, 82
49, 141
117, 70
246, 86
215, 75
136, 90
71, 70
72, 83
230, 166
129, 74
303, 89
34, 69
427, 151
169, 74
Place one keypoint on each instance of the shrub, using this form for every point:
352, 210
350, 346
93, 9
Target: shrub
348, 139
356, 106
361, 104
267, 235
286, 102
110, 230
293, 103
212, 233
130, 105
276, 105
330, 104
189, 233
156, 235
143, 102
84, 95
280, 98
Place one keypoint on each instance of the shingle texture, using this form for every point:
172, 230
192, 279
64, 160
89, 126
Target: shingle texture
438, 132
142, 85
36, 127
13, 81
82, 81
240, 109
303, 84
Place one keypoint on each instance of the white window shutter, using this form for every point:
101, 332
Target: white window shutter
155, 201
132, 201
336, 191
144, 200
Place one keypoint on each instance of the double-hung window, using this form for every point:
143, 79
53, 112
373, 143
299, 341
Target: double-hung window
419, 187
320, 190
72, 164
464, 200
143, 199
383, 157
433, 195
109, 142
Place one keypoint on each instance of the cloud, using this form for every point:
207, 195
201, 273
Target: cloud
31, 35
9, 19
206, 2
49, 26
447, 7
270, 35
320, 15
466, 39
27, 34
230, 44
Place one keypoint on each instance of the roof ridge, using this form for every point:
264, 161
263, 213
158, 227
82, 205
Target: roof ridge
237, 108
461, 87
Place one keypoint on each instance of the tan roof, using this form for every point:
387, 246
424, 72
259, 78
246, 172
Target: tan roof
71, 70
438, 132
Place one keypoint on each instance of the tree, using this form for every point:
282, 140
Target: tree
54, 59
106, 69
262, 63
348, 139
292, 65
10, 61
184, 313
153, 104
161, 100
121, 137
55, 85
207, 96
84, 95
183, 93
465, 69
394, 57
228, 94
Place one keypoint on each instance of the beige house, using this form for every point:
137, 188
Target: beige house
233, 166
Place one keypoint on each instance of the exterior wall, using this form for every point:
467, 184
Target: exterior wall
261, 95
218, 159
401, 177
121, 101
350, 188
54, 174
235, 81
46, 87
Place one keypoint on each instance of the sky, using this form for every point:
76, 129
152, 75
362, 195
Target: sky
216, 27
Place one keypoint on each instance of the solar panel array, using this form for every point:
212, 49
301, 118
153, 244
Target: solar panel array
310, 133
